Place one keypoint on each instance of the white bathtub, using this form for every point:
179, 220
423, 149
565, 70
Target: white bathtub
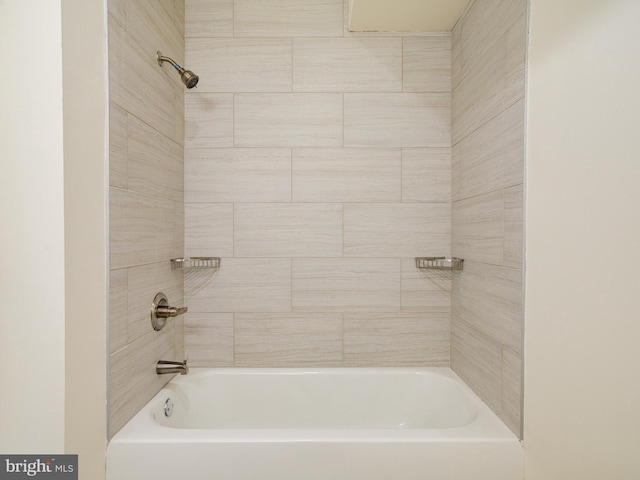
316, 424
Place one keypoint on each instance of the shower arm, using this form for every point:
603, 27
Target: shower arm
161, 58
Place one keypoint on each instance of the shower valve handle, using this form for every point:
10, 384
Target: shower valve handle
160, 311
164, 311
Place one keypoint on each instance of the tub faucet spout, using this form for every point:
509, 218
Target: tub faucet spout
168, 366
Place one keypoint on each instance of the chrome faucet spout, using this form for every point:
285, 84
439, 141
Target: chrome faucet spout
168, 366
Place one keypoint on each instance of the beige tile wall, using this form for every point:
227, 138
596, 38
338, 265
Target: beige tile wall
487, 59
317, 165
146, 196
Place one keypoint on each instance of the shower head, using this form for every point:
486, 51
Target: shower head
189, 78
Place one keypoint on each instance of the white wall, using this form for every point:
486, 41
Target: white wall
582, 354
52, 200
85, 117
32, 232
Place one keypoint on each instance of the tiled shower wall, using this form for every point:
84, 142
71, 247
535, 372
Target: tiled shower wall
146, 196
488, 74
317, 165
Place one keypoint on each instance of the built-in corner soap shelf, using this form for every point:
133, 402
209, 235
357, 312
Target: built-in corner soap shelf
195, 263
439, 263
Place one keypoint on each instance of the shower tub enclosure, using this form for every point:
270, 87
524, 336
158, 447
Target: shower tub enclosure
316, 424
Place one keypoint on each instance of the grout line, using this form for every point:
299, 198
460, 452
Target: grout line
468, 134
504, 224
345, 17
343, 126
342, 334
233, 339
402, 176
475, 196
343, 229
402, 68
400, 306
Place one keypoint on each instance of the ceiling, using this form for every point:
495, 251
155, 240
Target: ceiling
404, 15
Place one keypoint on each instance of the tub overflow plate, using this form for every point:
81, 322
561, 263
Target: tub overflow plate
168, 407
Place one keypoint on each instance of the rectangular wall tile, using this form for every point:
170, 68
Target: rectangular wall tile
398, 339
288, 340
478, 360
208, 230
178, 230
516, 45
513, 226
208, 339
179, 109
132, 377
118, 141
511, 389
480, 95
144, 283
397, 120
138, 229
456, 54
426, 174
178, 337
425, 290
118, 12
241, 65
288, 18
156, 163
346, 285
514, 131
209, 18
397, 229
179, 16
288, 230
492, 157
288, 120
427, 64
137, 83
208, 121
456, 172
117, 309
482, 158
238, 175
478, 228
485, 24
346, 175
151, 25
489, 298
241, 285
347, 65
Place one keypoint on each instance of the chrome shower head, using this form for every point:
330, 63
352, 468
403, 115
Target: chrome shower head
189, 78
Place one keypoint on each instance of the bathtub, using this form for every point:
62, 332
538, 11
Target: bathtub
316, 424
